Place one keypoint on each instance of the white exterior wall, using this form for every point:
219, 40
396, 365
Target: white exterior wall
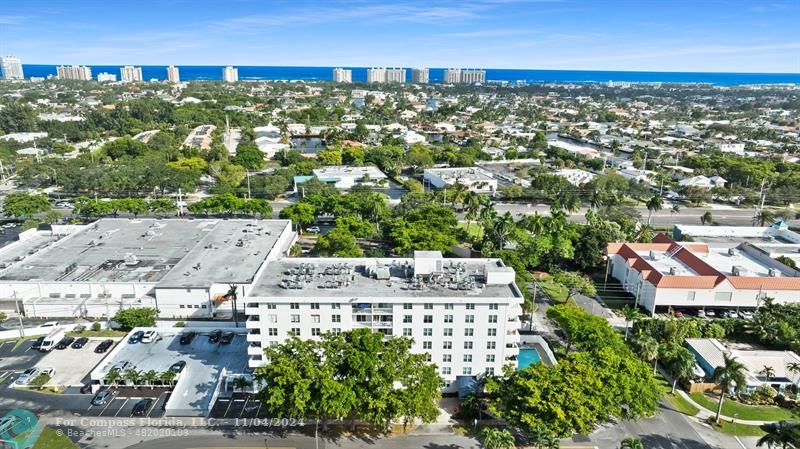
279, 320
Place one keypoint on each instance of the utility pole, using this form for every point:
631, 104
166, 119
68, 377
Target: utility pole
248, 185
19, 316
761, 204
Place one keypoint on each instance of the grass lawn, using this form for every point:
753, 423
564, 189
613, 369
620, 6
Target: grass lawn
474, 230
676, 401
748, 412
557, 292
739, 430
101, 333
50, 439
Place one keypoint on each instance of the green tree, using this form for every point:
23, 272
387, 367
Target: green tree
161, 205
631, 443
167, 377
241, 383
150, 377
301, 214
131, 376
493, 438
782, 434
136, 317
419, 157
338, 242
706, 218
631, 315
649, 349
654, 204
330, 157
25, 205
17, 117
249, 157
356, 226
114, 377
729, 375
680, 366
124, 146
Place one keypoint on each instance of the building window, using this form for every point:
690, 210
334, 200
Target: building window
427, 319
446, 370
491, 345
448, 318
448, 332
448, 307
273, 318
467, 371
407, 306
295, 318
447, 345
407, 319
723, 296
315, 332
492, 306
468, 358
690, 296
294, 306
295, 331
336, 330
428, 306
273, 332
469, 318
467, 345
406, 332
490, 358
470, 306
492, 332
336, 318
492, 318
427, 332
271, 306
315, 318
428, 358
181, 306
490, 371
447, 358
469, 332
336, 306
427, 345
315, 306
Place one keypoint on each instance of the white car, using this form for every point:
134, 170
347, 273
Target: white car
65, 205
48, 371
314, 229
150, 336
701, 313
27, 376
746, 315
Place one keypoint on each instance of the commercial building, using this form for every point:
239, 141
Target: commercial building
106, 77
384, 75
475, 179
200, 137
11, 68
344, 177
74, 72
173, 74
420, 76
667, 274
130, 74
341, 75
464, 76
230, 74
462, 313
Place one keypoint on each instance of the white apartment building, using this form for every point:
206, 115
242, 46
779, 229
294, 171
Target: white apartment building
464, 76
462, 313
11, 68
420, 76
452, 76
230, 74
384, 75
106, 77
475, 179
666, 274
341, 75
173, 74
74, 72
130, 74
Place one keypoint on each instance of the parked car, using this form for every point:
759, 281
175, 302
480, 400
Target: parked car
7, 422
214, 336
187, 337
701, 313
122, 365
27, 376
65, 342
103, 346
178, 366
710, 313
166, 399
731, 314
150, 336
745, 314
226, 338
314, 229
135, 337
50, 324
37, 344
86, 388
79, 343
141, 407
102, 397
50, 372
79, 328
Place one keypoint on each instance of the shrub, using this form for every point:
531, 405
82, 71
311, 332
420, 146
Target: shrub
764, 395
576, 281
96, 326
136, 317
180, 324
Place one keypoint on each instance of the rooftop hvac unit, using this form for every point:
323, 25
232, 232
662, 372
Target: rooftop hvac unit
737, 270
731, 251
673, 271
772, 272
652, 255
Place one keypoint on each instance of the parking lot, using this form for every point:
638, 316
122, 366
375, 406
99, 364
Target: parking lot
239, 406
72, 366
17, 357
121, 406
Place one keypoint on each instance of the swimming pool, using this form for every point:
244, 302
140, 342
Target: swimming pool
527, 357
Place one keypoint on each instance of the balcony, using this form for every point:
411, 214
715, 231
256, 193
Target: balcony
252, 311
254, 337
252, 323
256, 361
255, 349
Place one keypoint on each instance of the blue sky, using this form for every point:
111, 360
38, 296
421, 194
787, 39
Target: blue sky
677, 35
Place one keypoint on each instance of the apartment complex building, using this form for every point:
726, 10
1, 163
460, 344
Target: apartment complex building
74, 72
464, 76
386, 75
420, 76
230, 74
173, 74
11, 68
105, 77
341, 75
130, 74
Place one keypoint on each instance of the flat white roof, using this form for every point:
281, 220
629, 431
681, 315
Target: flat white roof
346, 171
664, 264
724, 263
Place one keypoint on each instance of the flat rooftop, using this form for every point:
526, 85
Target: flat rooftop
348, 278
724, 263
450, 175
665, 264
345, 171
173, 252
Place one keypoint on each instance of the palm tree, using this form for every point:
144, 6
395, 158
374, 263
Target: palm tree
706, 218
793, 367
675, 209
767, 372
631, 443
168, 376
763, 217
132, 376
649, 349
654, 204
497, 438
538, 435
150, 377
240, 383
783, 434
730, 374
681, 367
550, 442
632, 315
114, 377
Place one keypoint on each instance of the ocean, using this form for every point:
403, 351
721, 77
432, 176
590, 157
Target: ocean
192, 73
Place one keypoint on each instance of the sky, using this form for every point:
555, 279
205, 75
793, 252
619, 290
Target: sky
645, 35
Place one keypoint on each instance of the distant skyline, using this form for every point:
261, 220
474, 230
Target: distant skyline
651, 35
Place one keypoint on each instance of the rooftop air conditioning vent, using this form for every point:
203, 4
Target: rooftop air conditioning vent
673, 271
731, 252
737, 270
652, 255
772, 272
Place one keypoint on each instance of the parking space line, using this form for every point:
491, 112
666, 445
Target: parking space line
225, 415
244, 407
107, 405
152, 407
123, 406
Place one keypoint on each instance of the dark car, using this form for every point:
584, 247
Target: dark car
86, 388
103, 346
214, 336
79, 343
178, 366
187, 337
135, 337
37, 344
166, 399
141, 407
65, 342
102, 397
226, 338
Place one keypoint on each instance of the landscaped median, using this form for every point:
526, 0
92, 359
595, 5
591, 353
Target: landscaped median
740, 411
